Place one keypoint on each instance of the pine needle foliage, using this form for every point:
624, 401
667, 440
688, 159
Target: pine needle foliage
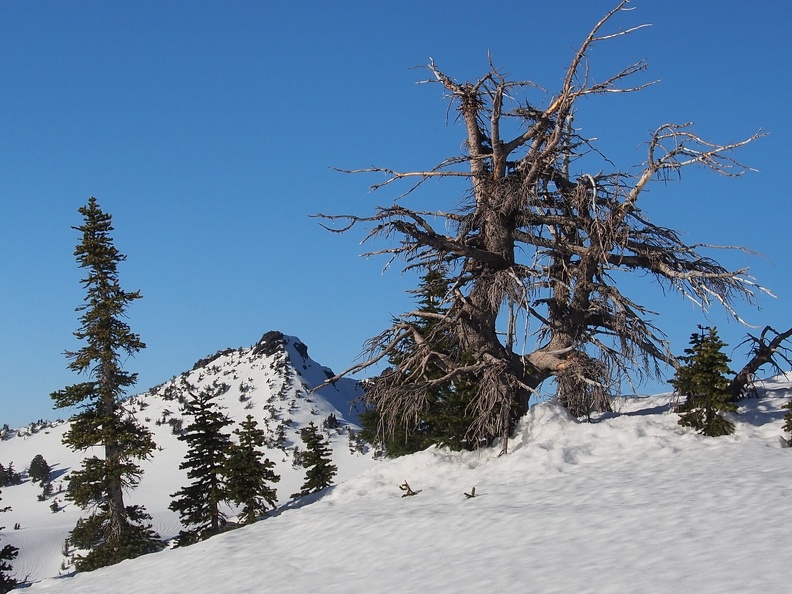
113, 531
317, 461
7, 554
198, 504
249, 474
444, 418
703, 380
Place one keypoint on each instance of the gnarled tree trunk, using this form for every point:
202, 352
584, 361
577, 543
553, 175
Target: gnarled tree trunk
536, 239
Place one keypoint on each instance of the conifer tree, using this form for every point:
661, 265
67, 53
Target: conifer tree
317, 461
788, 422
249, 474
198, 504
113, 531
9, 476
7, 554
444, 418
702, 379
39, 469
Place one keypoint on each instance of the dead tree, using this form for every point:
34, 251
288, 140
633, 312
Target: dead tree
762, 353
534, 241
408, 492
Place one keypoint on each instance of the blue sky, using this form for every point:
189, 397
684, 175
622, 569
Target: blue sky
209, 130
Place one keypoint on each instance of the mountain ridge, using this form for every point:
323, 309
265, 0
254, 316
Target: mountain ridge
275, 381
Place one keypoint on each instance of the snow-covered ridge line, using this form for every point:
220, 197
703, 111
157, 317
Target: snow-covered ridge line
273, 381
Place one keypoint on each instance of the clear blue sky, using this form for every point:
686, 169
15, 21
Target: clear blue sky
209, 130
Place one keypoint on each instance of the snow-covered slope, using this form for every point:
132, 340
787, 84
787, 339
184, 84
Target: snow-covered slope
273, 381
630, 503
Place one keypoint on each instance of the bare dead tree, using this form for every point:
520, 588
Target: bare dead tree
763, 351
532, 238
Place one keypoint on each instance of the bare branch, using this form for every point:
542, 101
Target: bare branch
536, 242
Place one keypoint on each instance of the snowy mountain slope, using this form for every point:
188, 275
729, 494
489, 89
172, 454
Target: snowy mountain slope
273, 381
630, 503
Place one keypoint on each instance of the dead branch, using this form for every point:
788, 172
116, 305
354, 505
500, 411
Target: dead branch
763, 352
534, 241
408, 492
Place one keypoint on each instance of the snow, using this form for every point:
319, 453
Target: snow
632, 502
274, 383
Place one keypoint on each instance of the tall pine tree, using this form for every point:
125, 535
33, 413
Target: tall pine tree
444, 419
317, 461
198, 504
703, 380
249, 473
7, 554
113, 531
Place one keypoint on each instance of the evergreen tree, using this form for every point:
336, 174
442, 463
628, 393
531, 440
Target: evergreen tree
198, 504
788, 422
702, 379
7, 554
249, 474
444, 419
46, 491
317, 461
9, 476
113, 531
39, 469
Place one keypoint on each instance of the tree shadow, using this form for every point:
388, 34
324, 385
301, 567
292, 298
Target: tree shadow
56, 474
302, 501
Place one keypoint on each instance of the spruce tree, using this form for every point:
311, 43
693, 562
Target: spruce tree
444, 419
198, 504
113, 531
7, 554
317, 461
249, 474
702, 379
39, 470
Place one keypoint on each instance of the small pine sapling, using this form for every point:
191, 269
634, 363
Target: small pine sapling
788, 422
46, 491
703, 380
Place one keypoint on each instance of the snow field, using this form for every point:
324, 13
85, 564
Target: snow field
630, 503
